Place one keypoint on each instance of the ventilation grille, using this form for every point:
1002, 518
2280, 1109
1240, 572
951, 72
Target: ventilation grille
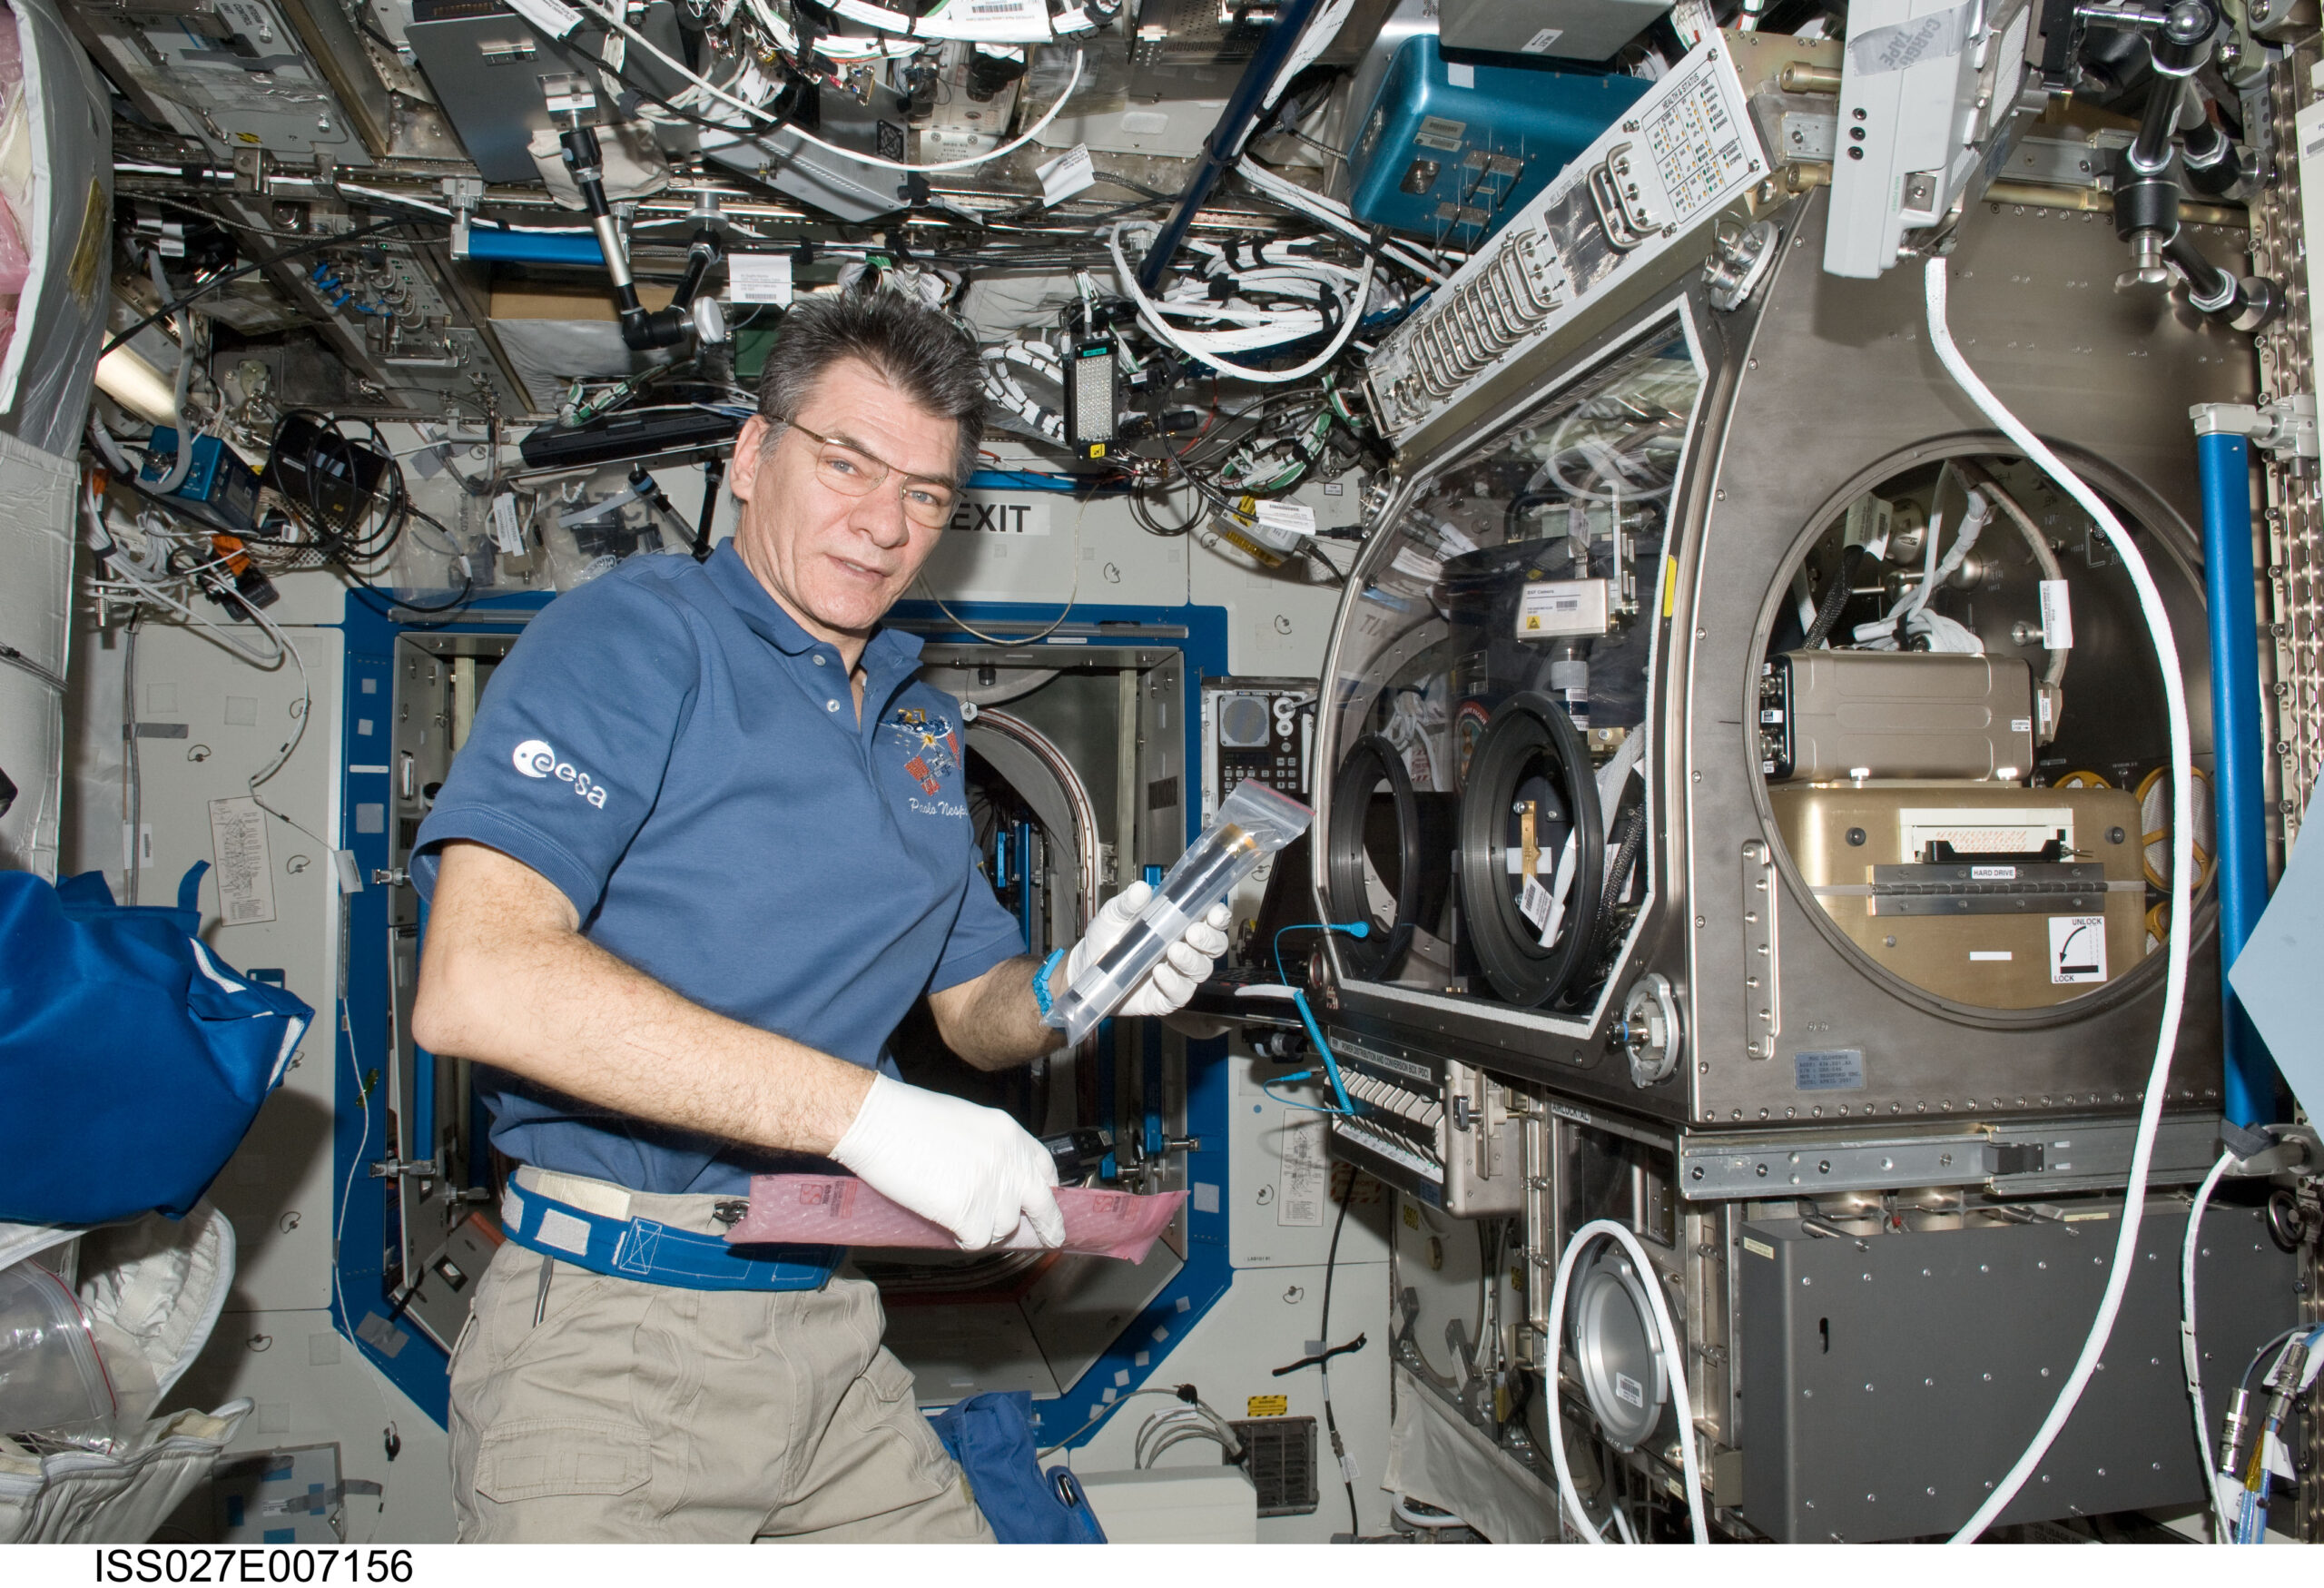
1243, 721
1279, 1453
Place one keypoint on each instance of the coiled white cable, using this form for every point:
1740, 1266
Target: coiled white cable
1150, 315
2183, 876
1674, 1361
94, 511
613, 17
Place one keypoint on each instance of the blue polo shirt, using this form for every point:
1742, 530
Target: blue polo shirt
684, 761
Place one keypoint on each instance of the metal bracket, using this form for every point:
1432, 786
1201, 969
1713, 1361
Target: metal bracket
2285, 428
401, 1169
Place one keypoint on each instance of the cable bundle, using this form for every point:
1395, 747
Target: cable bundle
1305, 296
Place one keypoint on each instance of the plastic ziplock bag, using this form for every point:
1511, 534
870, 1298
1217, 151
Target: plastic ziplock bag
52, 1380
1253, 823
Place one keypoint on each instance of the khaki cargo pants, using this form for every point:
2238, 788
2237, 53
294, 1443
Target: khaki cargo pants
642, 1413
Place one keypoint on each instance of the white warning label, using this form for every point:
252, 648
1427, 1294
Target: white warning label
2077, 947
1552, 607
1306, 1169
245, 873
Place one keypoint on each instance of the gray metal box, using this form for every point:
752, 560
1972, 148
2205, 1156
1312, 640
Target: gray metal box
1887, 1381
1574, 30
487, 65
1830, 715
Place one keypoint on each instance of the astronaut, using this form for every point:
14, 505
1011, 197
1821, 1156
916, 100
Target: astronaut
706, 845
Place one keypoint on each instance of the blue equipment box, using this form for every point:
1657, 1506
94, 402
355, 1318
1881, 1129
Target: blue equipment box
218, 478
1449, 150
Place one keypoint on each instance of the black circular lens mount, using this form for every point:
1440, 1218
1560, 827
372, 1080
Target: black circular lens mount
1423, 845
1530, 739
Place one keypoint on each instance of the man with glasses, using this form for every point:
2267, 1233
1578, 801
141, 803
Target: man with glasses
706, 845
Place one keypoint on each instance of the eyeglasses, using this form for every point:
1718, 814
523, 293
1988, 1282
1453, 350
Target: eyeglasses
854, 472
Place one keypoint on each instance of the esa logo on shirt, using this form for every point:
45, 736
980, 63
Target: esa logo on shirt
534, 758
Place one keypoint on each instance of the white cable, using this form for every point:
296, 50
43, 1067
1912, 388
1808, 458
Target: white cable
1322, 29
1030, 133
2223, 1529
1621, 1522
2182, 877
180, 388
1072, 596
613, 16
107, 448
355, 1162
222, 636
1150, 316
435, 209
1430, 1523
1674, 1361
938, 25
1318, 207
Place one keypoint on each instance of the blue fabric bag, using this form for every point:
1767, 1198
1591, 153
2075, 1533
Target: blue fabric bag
131, 1061
991, 1436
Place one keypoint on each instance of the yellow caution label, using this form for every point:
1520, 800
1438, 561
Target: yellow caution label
1412, 1216
1670, 584
1757, 1249
90, 249
1268, 1405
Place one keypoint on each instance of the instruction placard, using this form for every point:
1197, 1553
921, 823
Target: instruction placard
506, 534
2077, 947
2057, 615
1551, 607
1307, 1170
245, 869
758, 278
1066, 175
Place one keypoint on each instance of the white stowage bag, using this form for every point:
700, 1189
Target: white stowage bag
152, 1290
67, 226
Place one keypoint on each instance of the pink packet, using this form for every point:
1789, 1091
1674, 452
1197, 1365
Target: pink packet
15, 260
840, 1211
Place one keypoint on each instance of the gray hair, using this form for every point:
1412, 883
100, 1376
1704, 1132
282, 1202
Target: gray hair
915, 349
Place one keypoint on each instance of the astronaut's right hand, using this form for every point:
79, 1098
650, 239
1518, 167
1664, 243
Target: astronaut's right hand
974, 1170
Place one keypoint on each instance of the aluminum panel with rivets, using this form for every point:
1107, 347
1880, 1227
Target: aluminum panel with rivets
1837, 391
1890, 1379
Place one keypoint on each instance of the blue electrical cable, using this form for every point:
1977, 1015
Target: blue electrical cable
1307, 1019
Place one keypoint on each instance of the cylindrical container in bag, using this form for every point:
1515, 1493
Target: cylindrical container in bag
1253, 823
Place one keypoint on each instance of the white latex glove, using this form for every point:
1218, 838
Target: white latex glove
971, 1170
1183, 966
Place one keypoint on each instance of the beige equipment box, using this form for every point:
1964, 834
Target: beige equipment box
1992, 894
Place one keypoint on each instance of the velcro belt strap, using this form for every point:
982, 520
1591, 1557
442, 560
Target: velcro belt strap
642, 1250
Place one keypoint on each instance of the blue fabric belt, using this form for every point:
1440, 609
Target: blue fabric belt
639, 1248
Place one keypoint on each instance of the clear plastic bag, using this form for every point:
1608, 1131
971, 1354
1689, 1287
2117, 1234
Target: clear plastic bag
1253, 823
54, 1387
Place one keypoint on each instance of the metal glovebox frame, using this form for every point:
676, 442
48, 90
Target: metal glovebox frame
1815, 389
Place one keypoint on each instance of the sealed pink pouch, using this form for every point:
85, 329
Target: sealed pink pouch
840, 1211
